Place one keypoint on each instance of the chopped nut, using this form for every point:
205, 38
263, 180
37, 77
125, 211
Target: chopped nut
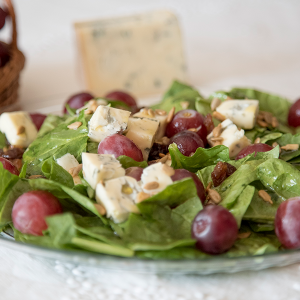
193, 129
160, 112
163, 159
215, 103
141, 197
151, 113
75, 171
268, 117
217, 131
100, 208
151, 185
208, 186
262, 123
218, 143
274, 122
168, 155
217, 139
257, 141
218, 116
210, 202
265, 196
164, 140
171, 114
290, 147
88, 112
161, 154
185, 104
77, 180
214, 196
74, 125
35, 176
21, 130
244, 235
168, 170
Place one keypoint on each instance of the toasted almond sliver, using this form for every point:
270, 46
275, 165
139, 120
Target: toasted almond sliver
217, 131
100, 208
21, 130
141, 197
184, 104
165, 140
257, 141
268, 117
161, 155
290, 147
168, 170
218, 143
160, 112
215, 103
214, 196
244, 235
193, 129
75, 171
151, 185
274, 122
265, 196
217, 139
208, 186
88, 112
74, 125
171, 114
35, 176
151, 113
218, 116
262, 123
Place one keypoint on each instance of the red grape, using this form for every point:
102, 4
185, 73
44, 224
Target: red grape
4, 54
7, 165
187, 142
3, 15
31, 209
182, 173
38, 119
215, 229
135, 172
186, 119
124, 97
253, 148
287, 223
294, 114
78, 100
118, 145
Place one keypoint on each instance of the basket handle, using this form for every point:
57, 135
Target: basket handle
11, 12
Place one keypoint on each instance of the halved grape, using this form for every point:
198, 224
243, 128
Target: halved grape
294, 114
287, 223
182, 173
215, 229
253, 148
187, 142
31, 209
78, 100
7, 165
124, 97
38, 119
186, 119
135, 172
118, 145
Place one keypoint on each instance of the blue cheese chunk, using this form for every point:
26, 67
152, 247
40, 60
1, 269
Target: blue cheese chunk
67, 161
18, 128
142, 131
106, 121
98, 167
231, 137
118, 196
242, 113
156, 178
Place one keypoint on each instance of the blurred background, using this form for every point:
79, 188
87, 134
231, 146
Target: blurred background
226, 42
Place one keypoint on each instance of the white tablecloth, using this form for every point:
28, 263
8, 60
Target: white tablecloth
228, 42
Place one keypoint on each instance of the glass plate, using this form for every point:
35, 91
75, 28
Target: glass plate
199, 266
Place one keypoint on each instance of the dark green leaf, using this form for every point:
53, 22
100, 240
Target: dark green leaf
128, 162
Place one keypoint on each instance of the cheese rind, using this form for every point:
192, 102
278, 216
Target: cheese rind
107, 121
118, 196
233, 138
67, 161
142, 132
97, 167
18, 128
242, 113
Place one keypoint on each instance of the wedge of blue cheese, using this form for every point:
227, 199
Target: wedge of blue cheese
242, 113
67, 161
229, 136
118, 196
18, 128
142, 131
100, 167
107, 121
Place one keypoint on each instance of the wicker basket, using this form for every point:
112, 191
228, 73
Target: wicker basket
9, 74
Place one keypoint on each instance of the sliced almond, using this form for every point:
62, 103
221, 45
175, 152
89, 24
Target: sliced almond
161, 155
151, 185
215, 103
168, 170
171, 114
193, 129
74, 125
274, 122
262, 123
100, 208
244, 235
164, 140
20, 130
88, 112
214, 196
160, 112
265, 196
217, 139
290, 147
218, 116
208, 186
151, 113
184, 104
257, 141
75, 171
217, 131
268, 117
141, 197
275, 145
218, 143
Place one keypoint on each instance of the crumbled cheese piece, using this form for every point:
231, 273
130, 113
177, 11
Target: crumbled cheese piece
67, 161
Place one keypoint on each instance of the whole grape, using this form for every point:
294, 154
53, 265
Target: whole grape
124, 97
38, 119
294, 114
78, 100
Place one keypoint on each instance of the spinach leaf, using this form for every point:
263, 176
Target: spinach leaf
289, 139
50, 123
128, 162
203, 106
201, 159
